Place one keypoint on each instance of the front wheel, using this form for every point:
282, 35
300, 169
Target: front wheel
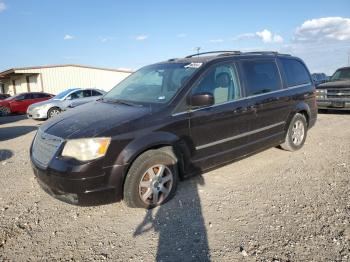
53, 112
4, 111
296, 134
152, 179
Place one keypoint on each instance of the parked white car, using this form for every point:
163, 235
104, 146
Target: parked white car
67, 99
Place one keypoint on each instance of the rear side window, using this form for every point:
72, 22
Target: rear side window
28, 96
95, 93
261, 76
295, 71
36, 95
40, 95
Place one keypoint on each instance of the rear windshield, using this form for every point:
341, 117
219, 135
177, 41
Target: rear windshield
153, 84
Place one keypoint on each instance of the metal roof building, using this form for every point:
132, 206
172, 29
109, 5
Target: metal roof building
56, 78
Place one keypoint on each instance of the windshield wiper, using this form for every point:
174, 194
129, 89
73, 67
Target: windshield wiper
121, 101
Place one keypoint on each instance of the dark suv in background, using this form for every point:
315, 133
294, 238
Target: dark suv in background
335, 94
173, 119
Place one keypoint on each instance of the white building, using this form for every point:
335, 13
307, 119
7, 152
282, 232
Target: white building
56, 78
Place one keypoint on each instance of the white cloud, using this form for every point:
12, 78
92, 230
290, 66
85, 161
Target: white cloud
265, 35
323, 43
3, 7
278, 39
182, 35
68, 37
215, 41
268, 37
141, 37
104, 39
326, 28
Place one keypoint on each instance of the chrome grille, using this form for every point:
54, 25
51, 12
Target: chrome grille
44, 147
338, 93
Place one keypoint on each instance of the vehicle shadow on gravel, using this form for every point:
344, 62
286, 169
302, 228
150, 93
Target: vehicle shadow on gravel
5, 154
7, 133
11, 119
334, 112
180, 225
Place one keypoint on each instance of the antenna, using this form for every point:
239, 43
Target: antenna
198, 48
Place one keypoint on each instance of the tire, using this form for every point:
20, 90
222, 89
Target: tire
296, 134
4, 111
152, 179
54, 111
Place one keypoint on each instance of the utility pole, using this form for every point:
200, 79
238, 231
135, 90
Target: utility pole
349, 58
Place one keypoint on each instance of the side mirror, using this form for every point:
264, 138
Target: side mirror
201, 99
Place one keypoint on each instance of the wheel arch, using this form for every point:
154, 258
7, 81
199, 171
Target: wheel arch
301, 108
52, 107
154, 141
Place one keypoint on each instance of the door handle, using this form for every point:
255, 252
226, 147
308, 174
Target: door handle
239, 110
251, 108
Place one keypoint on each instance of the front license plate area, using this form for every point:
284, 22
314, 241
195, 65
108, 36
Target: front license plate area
338, 104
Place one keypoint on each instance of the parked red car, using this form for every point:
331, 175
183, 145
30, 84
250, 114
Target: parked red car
19, 103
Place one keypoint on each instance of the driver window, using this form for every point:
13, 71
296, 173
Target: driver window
86, 93
76, 95
222, 81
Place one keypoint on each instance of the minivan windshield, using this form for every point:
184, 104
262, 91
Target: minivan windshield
152, 84
341, 74
64, 93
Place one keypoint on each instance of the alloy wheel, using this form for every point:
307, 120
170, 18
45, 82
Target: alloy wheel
156, 184
298, 132
54, 112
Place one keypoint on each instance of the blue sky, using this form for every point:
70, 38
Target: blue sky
130, 34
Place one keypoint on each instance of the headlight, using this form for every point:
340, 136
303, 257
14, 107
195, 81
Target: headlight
321, 91
86, 148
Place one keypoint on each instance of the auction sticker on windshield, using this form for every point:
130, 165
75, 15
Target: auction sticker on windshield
194, 65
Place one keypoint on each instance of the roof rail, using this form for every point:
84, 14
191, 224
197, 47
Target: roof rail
214, 52
265, 53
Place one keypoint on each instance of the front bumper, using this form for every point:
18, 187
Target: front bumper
82, 184
336, 104
38, 113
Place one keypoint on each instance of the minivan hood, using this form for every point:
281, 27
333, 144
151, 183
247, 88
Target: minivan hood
335, 84
92, 119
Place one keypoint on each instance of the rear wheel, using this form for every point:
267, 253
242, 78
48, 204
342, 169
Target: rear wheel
151, 180
53, 112
296, 134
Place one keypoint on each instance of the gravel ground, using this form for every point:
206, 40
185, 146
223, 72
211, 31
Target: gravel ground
273, 206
